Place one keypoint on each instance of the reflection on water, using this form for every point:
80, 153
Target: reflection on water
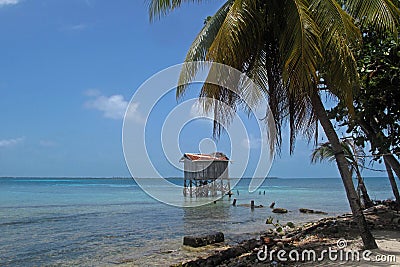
207, 218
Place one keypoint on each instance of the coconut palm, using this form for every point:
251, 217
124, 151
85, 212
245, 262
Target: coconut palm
355, 157
392, 181
287, 47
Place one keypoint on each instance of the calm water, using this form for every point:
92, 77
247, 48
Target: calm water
54, 221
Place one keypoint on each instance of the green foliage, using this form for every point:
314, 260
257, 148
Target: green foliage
280, 228
270, 220
290, 224
354, 154
377, 102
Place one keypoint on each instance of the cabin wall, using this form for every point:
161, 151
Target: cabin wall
205, 170
200, 178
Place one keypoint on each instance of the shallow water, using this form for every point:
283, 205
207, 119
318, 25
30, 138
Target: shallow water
69, 221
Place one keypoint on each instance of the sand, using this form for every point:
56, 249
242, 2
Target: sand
388, 243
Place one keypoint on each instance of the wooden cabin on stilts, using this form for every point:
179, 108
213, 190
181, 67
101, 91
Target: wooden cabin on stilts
205, 175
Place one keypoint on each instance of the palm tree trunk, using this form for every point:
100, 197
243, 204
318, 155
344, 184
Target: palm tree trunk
394, 163
392, 181
367, 200
358, 216
371, 135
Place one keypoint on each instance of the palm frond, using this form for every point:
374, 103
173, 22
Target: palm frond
383, 15
200, 46
236, 45
300, 47
238, 36
339, 37
323, 152
159, 8
354, 154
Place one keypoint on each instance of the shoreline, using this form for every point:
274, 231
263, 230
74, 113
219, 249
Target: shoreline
323, 234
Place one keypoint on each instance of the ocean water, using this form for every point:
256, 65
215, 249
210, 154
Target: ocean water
103, 222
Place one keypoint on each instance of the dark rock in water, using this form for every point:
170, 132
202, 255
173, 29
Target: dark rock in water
312, 211
200, 241
279, 210
272, 205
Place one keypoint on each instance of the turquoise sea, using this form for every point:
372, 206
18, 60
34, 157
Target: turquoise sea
102, 222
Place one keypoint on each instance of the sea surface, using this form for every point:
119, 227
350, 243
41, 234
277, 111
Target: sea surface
103, 222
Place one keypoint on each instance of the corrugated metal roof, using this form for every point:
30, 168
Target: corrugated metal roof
218, 156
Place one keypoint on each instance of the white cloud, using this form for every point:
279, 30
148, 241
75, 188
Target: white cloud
8, 2
252, 142
11, 142
92, 92
133, 113
113, 107
47, 143
76, 27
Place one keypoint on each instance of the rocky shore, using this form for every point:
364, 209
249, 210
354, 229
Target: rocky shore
317, 236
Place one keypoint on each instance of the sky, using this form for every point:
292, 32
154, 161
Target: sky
68, 70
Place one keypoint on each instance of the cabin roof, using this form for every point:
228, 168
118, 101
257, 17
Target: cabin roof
217, 156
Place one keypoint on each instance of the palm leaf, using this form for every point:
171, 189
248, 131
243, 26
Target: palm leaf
200, 47
237, 45
383, 15
354, 154
158, 8
300, 49
339, 37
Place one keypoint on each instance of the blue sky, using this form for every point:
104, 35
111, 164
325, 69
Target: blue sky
67, 72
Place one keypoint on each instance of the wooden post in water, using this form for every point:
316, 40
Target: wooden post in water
252, 204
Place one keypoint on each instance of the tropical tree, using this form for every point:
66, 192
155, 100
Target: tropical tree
355, 157
287, 47
376, 117
392, 182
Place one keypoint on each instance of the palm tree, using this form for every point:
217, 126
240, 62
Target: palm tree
287, 47
355, 157
392, 181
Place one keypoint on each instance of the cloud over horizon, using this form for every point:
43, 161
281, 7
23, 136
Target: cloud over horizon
76, 27
8, 2
113, 107
253, 142
11, 142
